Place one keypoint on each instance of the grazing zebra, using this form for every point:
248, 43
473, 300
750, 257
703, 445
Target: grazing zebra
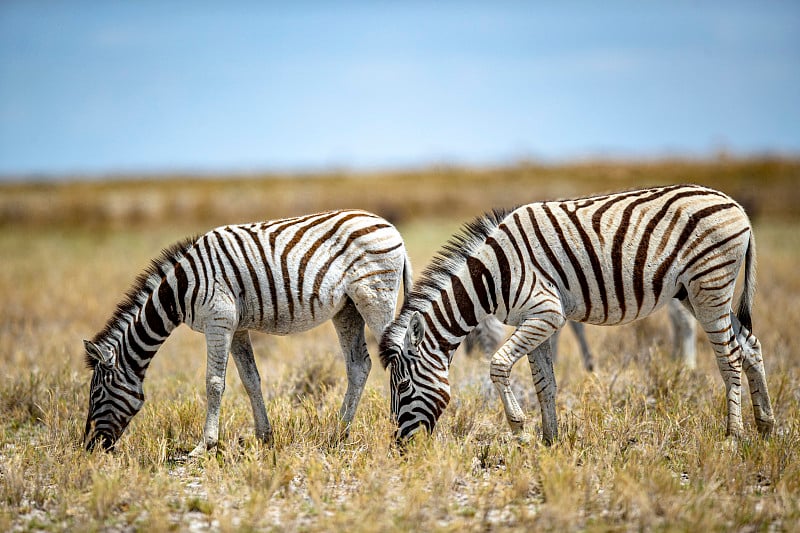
602, 260
489, 333
280, 277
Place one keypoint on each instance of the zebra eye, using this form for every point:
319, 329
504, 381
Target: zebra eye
404, 385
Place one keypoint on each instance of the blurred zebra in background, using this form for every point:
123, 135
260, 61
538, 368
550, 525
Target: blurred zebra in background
280, 277
602, 260
490, 333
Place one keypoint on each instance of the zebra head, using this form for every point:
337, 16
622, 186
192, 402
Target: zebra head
113, 397
419, 391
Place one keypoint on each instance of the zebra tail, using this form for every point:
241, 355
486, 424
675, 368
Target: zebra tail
407, 278
748, 293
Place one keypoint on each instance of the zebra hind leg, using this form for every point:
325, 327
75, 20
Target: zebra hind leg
683, 333
490, 334
729, 361
586, 353
349, 326
242, 351
580, 334
756, 377
487, 336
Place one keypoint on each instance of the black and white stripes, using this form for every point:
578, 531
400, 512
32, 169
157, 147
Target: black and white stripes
279, 277
603, 260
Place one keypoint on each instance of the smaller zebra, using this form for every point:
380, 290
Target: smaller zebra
280, 277
489, 334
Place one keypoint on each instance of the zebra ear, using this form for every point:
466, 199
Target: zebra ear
99, 354
416, 329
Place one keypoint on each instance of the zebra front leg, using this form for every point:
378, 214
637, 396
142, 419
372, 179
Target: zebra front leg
530, 334
218, 342
350, 328
242, 351
756, 377
544, 379
500, 371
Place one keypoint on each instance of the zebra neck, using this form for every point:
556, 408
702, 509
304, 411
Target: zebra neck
447, 326
141, 330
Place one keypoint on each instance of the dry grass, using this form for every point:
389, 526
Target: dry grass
641, 446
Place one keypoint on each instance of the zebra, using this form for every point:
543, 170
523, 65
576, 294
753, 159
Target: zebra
281, 276
490, 333
605, 260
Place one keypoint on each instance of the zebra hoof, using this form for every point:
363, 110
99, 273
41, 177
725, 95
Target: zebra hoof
523, 438
765, 426
342, 435
735, 433
517, 426
200, 450
264, 439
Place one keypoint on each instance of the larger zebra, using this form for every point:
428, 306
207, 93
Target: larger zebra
279, 277
603, 260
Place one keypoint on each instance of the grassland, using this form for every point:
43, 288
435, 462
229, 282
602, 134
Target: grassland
642, 440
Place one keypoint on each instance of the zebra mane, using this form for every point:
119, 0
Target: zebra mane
453, 254
141, 289
444, 264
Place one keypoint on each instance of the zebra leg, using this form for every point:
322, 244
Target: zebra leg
530, 334
729, 361
683, 333
553, 341
756, 377
487, 335
586, 353
373, 304
502, 362
218, 342
242, 351
349, 326
544, 379
491, 335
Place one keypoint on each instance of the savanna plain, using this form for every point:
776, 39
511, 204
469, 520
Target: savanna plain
642, 440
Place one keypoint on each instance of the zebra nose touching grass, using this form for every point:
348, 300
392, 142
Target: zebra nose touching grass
602, 260
279, 277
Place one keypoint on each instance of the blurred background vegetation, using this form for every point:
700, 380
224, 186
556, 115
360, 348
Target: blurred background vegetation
767, 187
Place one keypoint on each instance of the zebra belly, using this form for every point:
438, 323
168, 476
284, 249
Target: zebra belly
616, 313
290, 319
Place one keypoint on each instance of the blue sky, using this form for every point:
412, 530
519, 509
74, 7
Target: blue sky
143, 86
